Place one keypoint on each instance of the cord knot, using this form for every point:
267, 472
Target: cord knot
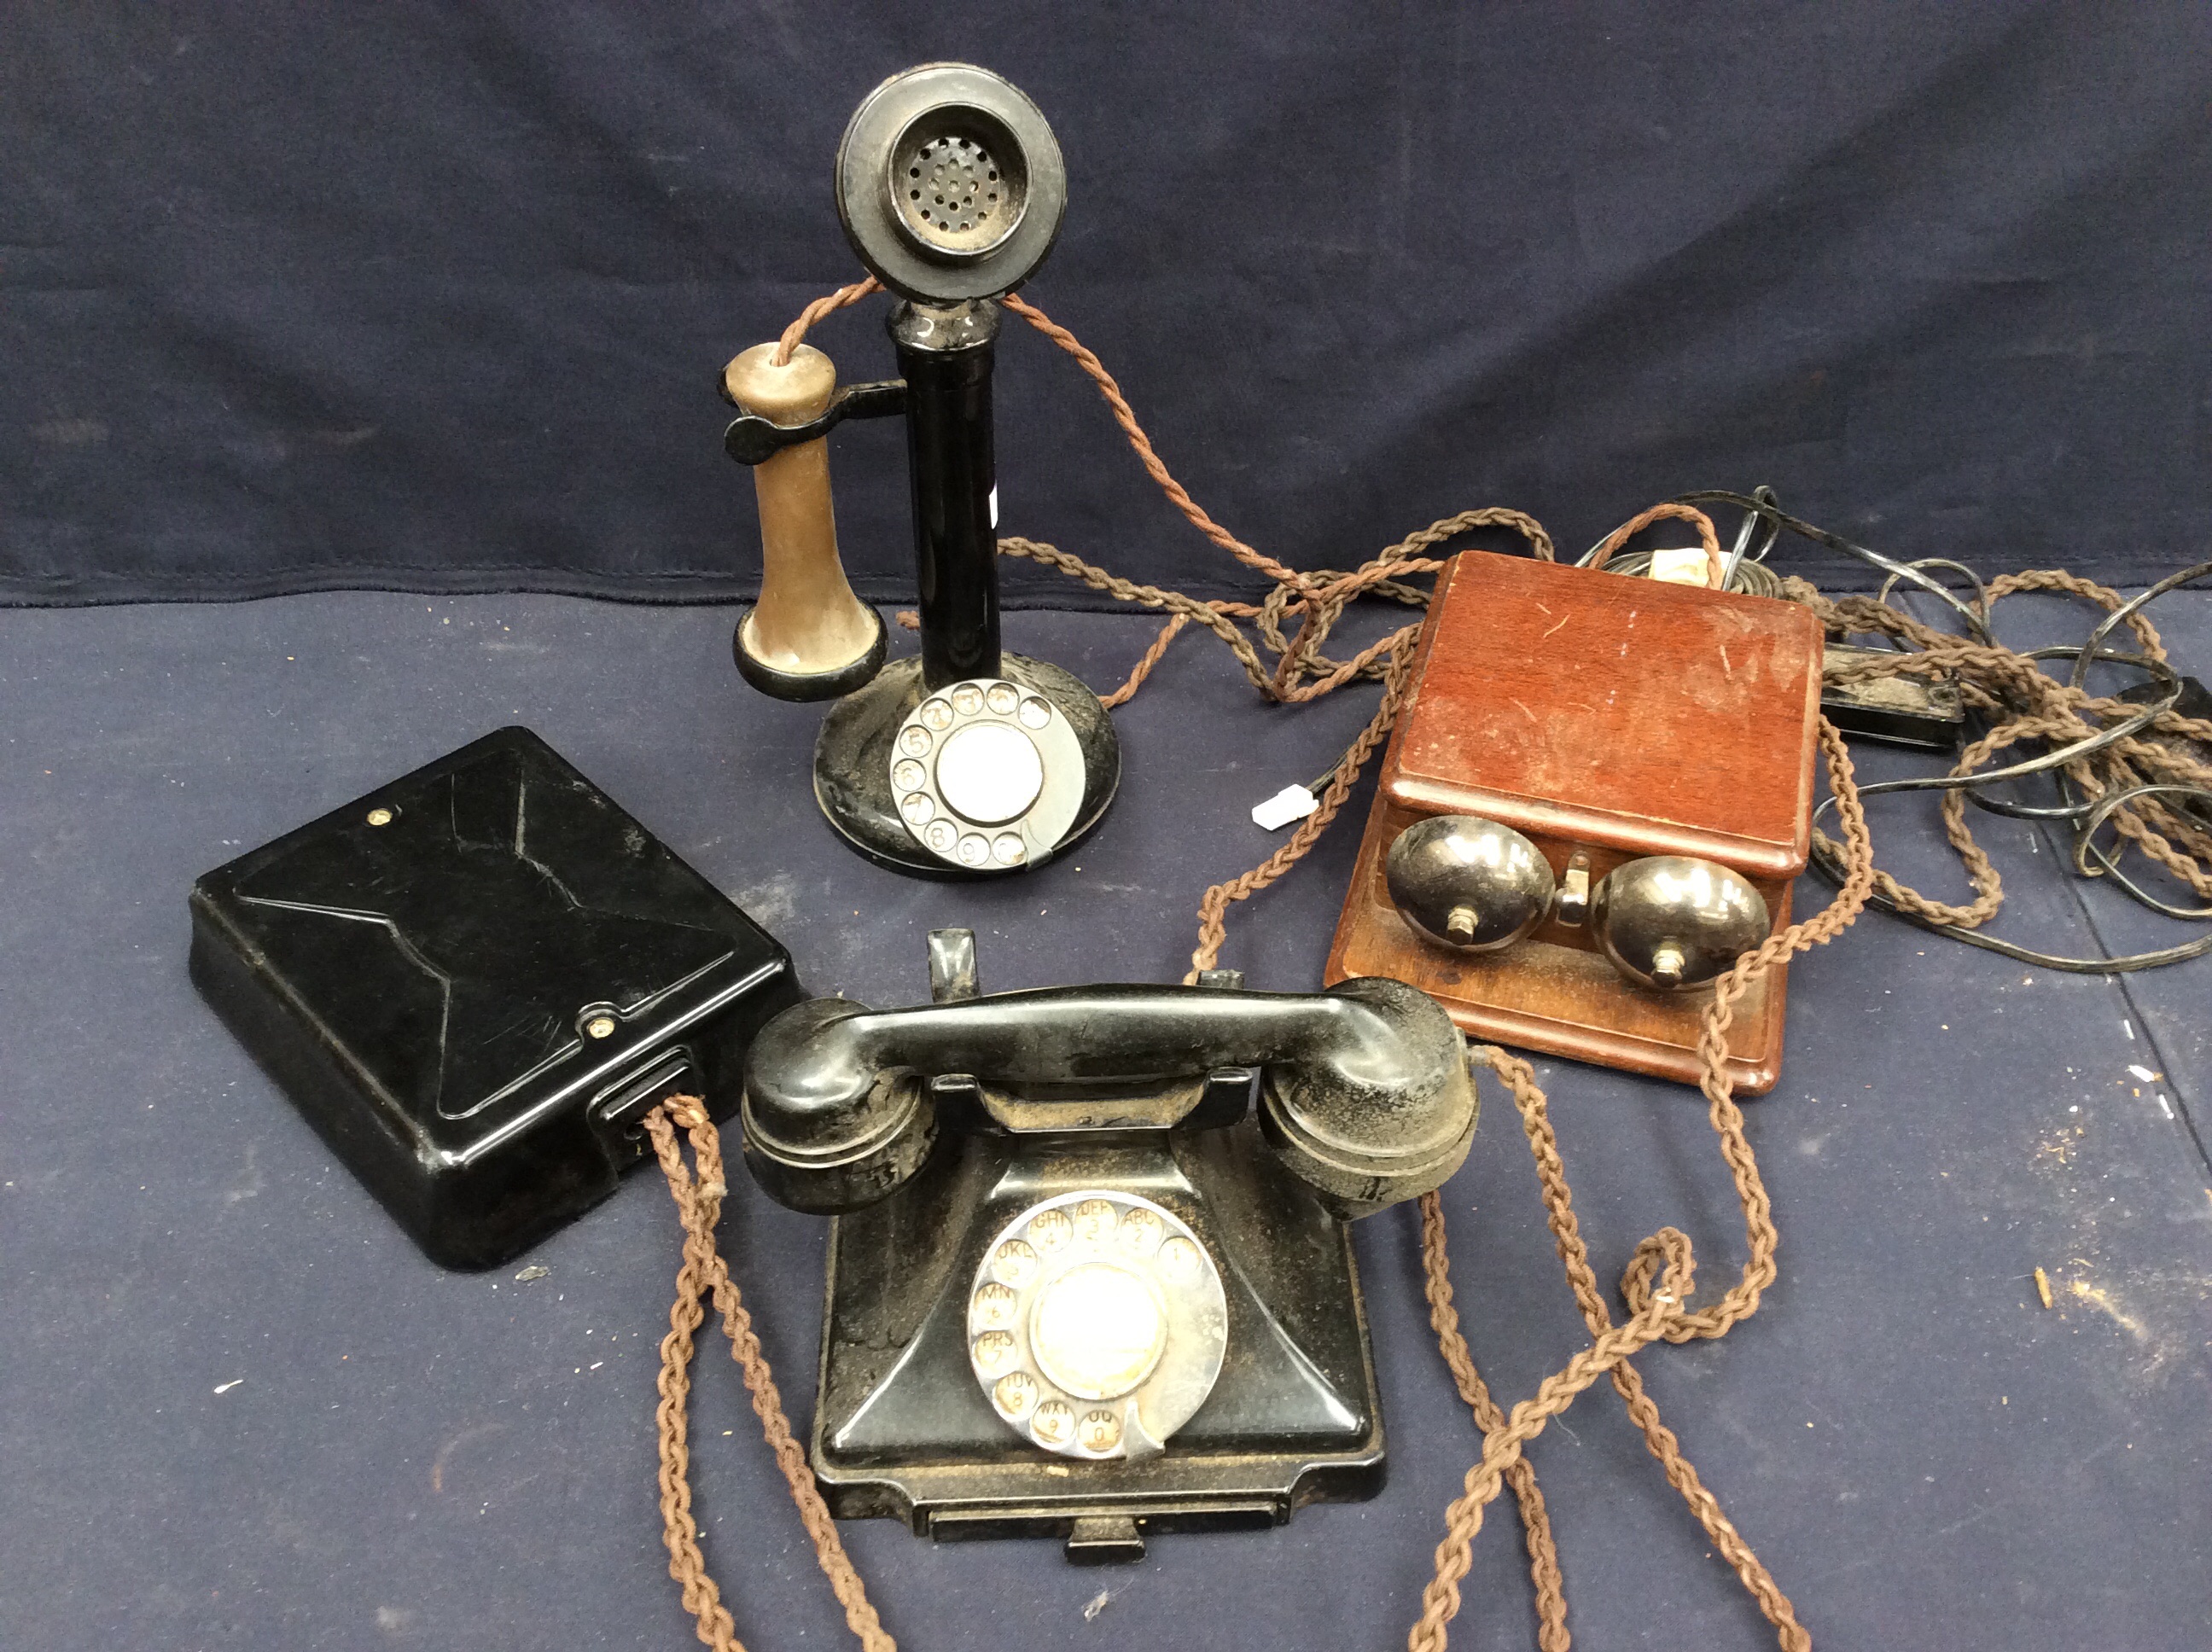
1666, 1255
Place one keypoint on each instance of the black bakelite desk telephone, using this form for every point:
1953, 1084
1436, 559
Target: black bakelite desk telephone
1089, 1271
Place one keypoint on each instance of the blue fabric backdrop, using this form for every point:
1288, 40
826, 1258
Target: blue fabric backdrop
432, 296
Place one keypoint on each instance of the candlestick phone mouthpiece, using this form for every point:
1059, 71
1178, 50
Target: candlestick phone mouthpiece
962, 761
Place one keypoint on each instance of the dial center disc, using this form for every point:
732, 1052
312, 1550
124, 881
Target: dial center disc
989, 774
1097, 1331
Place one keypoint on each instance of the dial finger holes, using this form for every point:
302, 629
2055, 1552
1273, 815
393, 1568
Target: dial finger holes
1178, 1259
1053, 1424
1099, 1431
1015, 1394
994, 1351
1140, 1231
1014, 1264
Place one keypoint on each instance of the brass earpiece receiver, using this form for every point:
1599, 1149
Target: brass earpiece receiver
809, 637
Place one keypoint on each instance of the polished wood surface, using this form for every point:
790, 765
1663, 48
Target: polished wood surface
1619, 717
1615, 713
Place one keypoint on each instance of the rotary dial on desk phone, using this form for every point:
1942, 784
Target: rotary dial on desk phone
988, 775
1096, 1325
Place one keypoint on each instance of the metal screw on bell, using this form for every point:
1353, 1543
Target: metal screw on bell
1467, 882
1672, 921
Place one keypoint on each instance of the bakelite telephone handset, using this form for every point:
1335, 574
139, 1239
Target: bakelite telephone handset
1090, 1273
965, 760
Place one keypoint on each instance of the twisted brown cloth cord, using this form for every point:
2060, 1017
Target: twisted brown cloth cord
1551, 1634
2024, 703
826, 304
1716, 565
1213, 907
1658, 1284
1727, 1121
1660, 1314
1299, 657
1318, 597
699, 1205
1127, 420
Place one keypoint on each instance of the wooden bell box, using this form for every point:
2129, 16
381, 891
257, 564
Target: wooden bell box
1606, 718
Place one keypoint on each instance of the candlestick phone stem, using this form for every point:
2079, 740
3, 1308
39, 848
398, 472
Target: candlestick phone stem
946, 356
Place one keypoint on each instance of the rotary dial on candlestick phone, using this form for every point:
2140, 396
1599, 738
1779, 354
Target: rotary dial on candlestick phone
987, 775
1090, 1274
965, 760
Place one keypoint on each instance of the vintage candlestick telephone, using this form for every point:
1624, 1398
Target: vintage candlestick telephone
1090, 1274
963, 761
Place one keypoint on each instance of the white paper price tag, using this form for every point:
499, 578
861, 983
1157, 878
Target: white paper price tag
1292, 803
1682, 565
